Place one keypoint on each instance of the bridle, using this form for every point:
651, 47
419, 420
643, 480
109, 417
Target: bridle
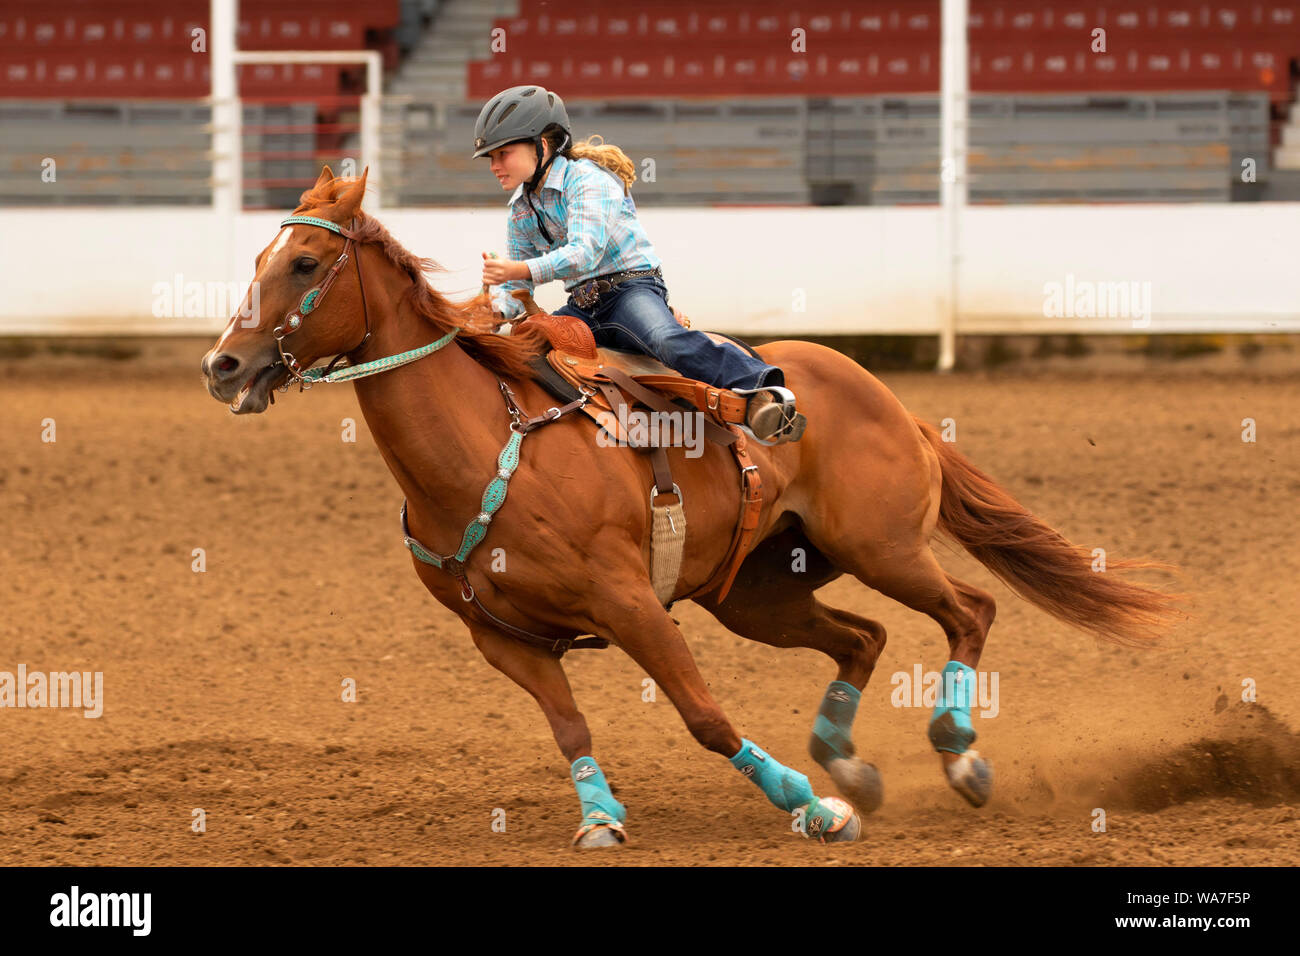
311, 300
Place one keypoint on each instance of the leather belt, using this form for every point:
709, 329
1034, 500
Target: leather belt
588, 293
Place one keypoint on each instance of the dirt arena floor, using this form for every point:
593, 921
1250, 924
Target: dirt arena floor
222, 688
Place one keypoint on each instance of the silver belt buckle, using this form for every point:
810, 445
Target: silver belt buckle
587, 294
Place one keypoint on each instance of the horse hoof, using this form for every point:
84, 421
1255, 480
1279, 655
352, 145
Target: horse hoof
859, 782
972, 777
832, 820
599, 834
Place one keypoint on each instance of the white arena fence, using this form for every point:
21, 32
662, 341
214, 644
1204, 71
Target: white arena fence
1145, 269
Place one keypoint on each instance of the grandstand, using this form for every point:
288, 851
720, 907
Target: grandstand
712, 92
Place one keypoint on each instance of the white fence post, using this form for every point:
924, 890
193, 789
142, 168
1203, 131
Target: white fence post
953, 110
227, 120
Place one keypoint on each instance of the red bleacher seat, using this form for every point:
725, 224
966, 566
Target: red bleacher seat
660, 74
97, 48
676, 47
296, 79
77, 29
1192, 65
67, 75
143, 48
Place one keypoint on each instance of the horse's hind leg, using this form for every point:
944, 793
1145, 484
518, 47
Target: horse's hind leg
542, 675
772, 602
965, 613
888, 549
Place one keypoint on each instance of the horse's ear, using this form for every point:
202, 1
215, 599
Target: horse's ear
313, 195
349, 202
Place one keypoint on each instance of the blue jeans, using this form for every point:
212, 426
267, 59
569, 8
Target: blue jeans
634, 316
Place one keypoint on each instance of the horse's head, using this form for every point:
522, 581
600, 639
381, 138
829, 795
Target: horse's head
279, 321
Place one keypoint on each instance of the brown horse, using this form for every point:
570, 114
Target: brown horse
862, 493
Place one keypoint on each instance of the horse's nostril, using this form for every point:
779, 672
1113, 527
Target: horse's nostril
225, 364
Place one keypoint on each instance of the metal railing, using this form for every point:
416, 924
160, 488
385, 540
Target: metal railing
852, 150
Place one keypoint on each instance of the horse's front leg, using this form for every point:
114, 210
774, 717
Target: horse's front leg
646, 632
541, 674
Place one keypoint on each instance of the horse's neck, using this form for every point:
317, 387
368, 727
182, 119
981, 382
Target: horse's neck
439, 422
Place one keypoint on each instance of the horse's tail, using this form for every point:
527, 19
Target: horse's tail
1039, 564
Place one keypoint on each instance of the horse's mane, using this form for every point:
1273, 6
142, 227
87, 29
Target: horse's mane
506, 355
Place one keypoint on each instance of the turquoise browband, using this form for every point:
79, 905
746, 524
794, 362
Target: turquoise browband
313, 221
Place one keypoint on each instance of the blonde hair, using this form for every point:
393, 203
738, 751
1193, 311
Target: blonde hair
602, 154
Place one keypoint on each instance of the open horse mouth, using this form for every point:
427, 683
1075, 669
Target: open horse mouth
256, 393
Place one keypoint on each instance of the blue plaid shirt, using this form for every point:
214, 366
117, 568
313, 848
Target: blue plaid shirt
593, 224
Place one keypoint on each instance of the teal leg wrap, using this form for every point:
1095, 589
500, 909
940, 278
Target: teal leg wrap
831, 736
598, 804
786, 788
950, 727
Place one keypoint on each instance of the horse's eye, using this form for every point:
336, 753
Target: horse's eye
305, 266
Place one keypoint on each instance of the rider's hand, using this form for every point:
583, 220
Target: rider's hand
497, 271
682, 320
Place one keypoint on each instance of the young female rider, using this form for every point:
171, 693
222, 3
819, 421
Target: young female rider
572, 218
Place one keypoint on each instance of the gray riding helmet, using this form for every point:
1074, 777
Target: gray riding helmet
519, 113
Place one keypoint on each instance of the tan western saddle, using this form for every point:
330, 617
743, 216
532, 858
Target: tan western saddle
616, 381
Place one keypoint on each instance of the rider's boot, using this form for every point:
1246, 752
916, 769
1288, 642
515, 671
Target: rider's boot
771, 416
